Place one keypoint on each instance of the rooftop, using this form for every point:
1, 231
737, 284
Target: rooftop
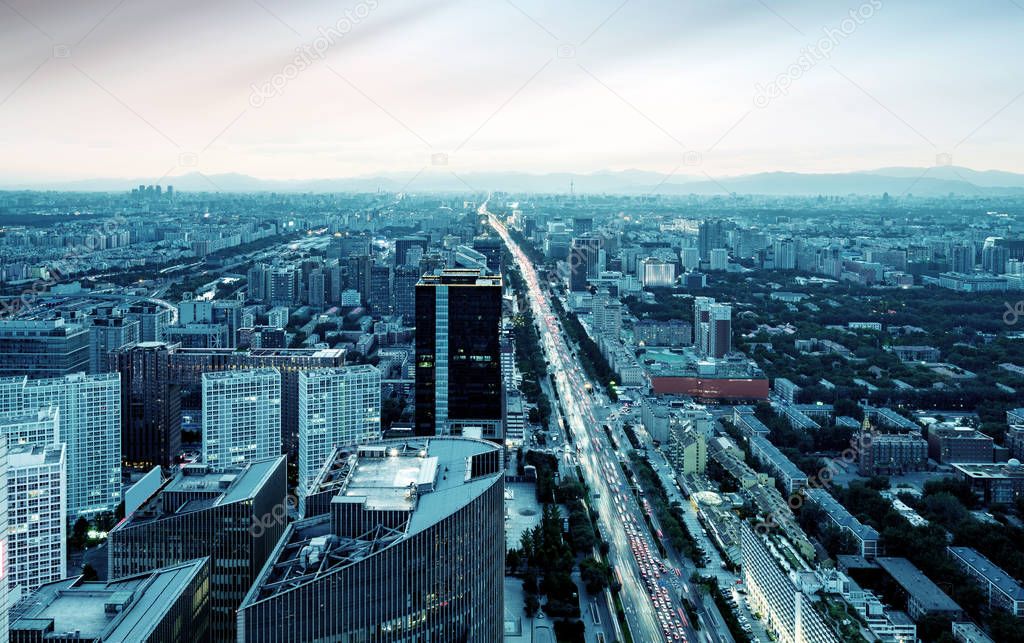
917, 585
126, 609
426, 478
991, 470
990, 571
839, 514
214, 488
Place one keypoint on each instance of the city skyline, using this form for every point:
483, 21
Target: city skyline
320, 91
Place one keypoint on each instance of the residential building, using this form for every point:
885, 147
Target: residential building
892, 453
786, 612
1003, 592
241, 416
37, 517
951, 444
657, 273
89, 415
923, 597
866, 537
337, 406
403, 541
782, 468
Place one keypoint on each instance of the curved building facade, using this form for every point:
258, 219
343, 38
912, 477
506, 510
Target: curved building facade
410, 547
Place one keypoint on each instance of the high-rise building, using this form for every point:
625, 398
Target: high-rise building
719, 259
406, 278
150, 406
283, 286
89, 413
107, 335
258, 283
241, 416
690, 258
359, 277
403, 541
402, 247
188, 366
168, 605
337, 406
233, 515
458, 354
607, 314
657, 273
380, 289
317, 289
712, 327
710, 235
153, 318
38, 427
962, 260
5, 599
37, 517
583, 261
40, 349
785, 254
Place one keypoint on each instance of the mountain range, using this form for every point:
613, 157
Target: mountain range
932, 181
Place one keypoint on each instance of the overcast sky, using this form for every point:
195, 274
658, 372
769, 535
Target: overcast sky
146, 88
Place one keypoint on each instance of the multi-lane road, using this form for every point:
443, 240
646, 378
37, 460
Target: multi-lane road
653, 612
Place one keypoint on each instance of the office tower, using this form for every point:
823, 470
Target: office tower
283, 286
37, 515
656, 273
150, 406
962, 259
344, 246
234, 515
258, 282
107, 335
492, 248
317, 289
406, 278
404, 542
404, 245
583, 262
712, 327
785, 254
710, 235
198, 336
994, 259
224, 318
168, 605
607, 314
458, 354
380, 289
153, 318
582, 225
241, 416
278, 316
89, 411
466, 257
5, 532
337, 406
40, 349
431, 264
37, 427
359, 276
690, 258
719, 259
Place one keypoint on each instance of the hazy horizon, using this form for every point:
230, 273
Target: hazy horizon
320, 91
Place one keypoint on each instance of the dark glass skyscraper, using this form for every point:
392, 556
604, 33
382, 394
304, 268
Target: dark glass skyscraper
150, 405
458, 354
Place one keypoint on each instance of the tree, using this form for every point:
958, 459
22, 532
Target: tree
89, 573
595, 575
80, 532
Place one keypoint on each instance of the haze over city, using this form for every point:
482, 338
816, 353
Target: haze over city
280, 90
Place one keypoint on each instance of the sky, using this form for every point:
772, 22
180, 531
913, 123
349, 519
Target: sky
315, 89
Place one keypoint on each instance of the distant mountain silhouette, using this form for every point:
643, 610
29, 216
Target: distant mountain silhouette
933, 181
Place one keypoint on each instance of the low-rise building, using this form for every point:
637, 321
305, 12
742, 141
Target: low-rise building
924, 598
1004, 593
995, 483
956, 444
866, 537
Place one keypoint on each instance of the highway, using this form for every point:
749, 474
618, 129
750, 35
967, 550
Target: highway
652, 611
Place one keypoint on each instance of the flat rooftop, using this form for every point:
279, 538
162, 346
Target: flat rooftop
917, 585
990, 470
990, 571
76, 606
428, 478
219, 487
